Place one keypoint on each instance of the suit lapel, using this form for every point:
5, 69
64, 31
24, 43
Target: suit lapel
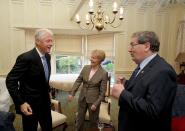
139, 76
88, 72
96, 74
38, 61
143, 72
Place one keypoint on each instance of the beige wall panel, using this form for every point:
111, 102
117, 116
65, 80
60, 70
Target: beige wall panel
123, 63
163, 36
17, 43
131, 21
61, 16
183, 14
140, 21
30, 40
14, 47
162, 32
31, 13
4, 37
17, 13
45, 15
147, 19
174, 18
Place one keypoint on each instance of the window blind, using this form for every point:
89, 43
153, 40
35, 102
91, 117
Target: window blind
102, 42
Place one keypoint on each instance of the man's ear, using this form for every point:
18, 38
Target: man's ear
147, 46
37, 42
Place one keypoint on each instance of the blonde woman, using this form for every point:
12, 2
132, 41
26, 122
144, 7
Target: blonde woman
94, 79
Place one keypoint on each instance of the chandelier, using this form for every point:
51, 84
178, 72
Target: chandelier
99, 19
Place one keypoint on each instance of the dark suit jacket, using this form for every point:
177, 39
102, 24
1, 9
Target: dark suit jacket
26, 81
146, 102
93, 90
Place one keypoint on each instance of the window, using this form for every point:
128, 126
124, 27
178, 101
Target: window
73, 52
68, 54
66, 64
103, 42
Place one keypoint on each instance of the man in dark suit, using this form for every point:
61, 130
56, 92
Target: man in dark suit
146, 99
28, 83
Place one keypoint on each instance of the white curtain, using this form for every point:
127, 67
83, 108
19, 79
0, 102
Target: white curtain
180, 52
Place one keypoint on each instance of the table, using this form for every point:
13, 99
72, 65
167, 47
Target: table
63, 82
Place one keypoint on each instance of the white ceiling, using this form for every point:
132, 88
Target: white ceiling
142, 3
75, 6
78, 5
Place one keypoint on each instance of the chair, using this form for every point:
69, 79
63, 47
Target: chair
104, 115
5, 99
58, 119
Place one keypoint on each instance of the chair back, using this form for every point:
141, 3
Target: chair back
107, 93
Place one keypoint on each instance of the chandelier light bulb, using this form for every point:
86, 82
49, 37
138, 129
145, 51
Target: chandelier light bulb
115, 6
90, 6
87, 19
121, 10
90, 3
121, 13
106, 19
77, 18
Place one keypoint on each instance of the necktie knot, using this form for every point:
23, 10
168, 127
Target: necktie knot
43, 58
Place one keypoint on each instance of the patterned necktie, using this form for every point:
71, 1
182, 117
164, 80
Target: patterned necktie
45, 65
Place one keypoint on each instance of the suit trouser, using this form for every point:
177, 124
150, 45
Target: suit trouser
83, 106
30, 123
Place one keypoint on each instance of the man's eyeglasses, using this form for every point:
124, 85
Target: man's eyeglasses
132, 44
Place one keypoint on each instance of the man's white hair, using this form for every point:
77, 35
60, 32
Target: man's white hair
39, 33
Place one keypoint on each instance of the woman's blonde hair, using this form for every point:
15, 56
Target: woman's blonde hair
100, 54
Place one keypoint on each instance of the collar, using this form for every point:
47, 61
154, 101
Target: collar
40, 54
146, 61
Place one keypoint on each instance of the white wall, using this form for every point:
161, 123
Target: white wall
5, 57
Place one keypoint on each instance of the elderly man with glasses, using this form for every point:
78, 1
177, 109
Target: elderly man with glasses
146, 99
